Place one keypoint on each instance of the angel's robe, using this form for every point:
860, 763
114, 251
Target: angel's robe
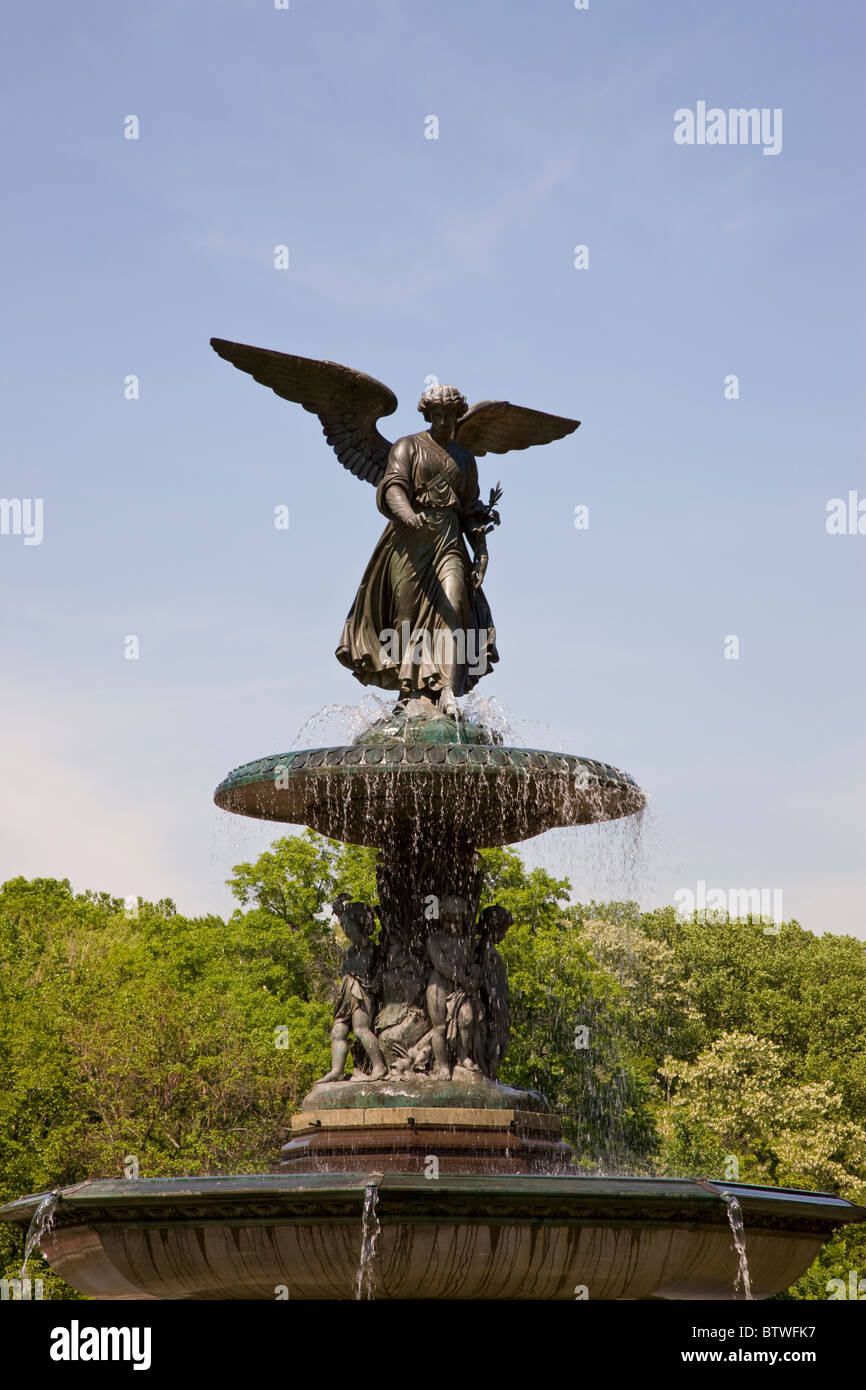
402, 626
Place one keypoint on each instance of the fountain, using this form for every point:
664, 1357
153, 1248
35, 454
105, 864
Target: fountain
420, 1175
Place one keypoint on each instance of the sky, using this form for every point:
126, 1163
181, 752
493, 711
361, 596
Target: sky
409, 256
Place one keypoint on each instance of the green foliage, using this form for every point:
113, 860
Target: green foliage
764, 1064
151, 1036
843, 1255
806, 993
783, 1131
291, 887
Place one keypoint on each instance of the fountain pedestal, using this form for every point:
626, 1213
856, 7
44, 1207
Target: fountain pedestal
423, 1125
427, 790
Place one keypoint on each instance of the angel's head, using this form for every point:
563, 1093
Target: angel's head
442, 406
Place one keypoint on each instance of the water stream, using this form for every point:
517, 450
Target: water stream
370, 1231
735, 1220
41, 1224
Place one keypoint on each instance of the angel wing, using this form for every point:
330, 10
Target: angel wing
347, 402
495, 427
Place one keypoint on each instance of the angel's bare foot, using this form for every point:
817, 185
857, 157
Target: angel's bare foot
469, 1065
332, 1076
442, 1073
377, 1073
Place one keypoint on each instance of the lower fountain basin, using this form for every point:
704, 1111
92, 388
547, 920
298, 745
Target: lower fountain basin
299, 1236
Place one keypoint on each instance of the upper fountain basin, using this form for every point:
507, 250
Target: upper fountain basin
430, 772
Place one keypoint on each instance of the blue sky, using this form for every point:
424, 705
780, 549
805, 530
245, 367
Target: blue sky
454, 256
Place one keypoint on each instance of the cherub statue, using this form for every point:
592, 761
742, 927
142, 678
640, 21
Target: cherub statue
401, 1021
356, 1002
452, 991
493, 923
420, 623
467, 993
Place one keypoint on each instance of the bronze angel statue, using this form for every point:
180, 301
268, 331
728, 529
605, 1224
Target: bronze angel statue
420, 623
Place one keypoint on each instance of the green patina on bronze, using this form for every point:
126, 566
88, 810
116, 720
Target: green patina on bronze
474, 1093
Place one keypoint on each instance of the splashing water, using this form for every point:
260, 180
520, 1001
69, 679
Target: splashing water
735, 1220
43, 1221
342, 724
488, 714
370, 1231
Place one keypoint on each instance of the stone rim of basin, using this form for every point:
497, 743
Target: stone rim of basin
613, 1198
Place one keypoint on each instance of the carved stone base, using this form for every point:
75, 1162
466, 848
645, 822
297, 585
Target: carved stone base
469, 1124
406, 1140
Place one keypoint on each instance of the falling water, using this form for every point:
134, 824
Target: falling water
735, 1219
370, 1230
43, 1220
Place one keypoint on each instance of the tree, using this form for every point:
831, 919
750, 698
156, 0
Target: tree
786, 1132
